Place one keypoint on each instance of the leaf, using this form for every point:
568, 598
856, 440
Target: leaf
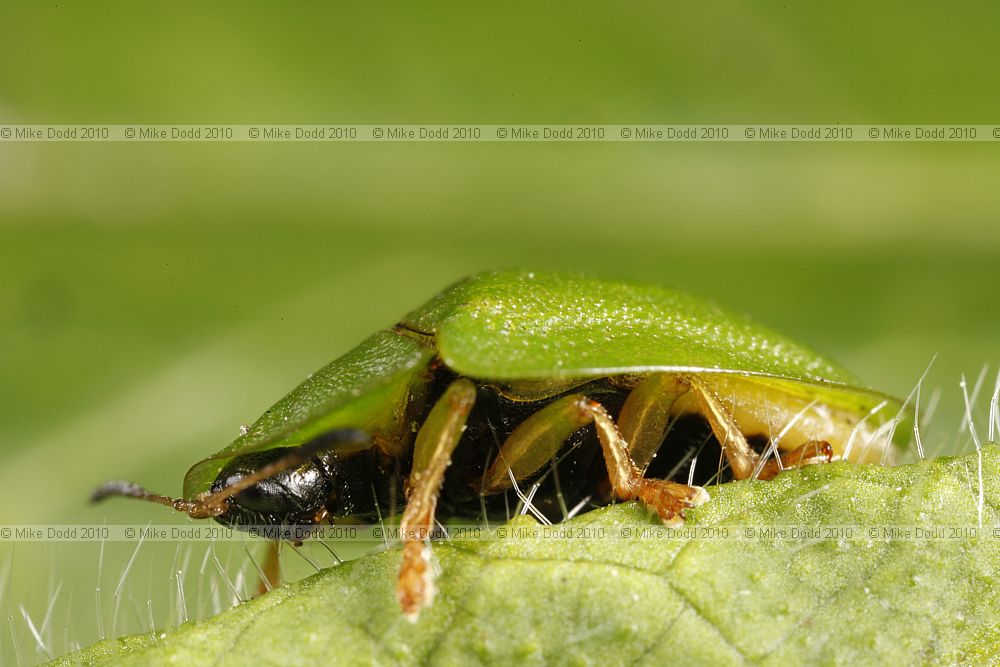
668, 599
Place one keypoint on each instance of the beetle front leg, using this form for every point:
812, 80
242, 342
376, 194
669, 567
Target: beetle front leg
537, 439
432, 451
270, 573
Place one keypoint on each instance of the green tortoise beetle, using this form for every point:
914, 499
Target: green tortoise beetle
521, 364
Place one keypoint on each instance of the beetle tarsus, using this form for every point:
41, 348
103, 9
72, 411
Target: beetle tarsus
670, 499
814, 451
415, 589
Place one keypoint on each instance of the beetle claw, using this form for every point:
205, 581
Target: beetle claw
670, 499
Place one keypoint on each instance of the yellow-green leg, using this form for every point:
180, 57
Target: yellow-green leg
814, 451
743, 460
537, 439
741, 457
271, 571
646, 413
432, 451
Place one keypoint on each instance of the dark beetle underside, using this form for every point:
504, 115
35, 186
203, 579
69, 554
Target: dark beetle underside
369, 484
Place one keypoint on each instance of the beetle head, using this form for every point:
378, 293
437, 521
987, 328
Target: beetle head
275, 487
293, 496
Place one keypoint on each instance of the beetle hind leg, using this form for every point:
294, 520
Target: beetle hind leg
814, 451
744, 461
742, 458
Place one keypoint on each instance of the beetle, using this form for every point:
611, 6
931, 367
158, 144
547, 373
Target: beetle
503, 371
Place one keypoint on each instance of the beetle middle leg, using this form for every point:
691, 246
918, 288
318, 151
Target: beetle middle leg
537, 439
646, 413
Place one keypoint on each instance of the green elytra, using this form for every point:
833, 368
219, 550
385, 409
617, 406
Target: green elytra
540, 334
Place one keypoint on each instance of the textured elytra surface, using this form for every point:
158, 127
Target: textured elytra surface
856, 600
521, 325
512, 325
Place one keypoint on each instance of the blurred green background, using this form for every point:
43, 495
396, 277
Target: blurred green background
153, 297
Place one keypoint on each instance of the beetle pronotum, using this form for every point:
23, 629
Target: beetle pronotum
546, 358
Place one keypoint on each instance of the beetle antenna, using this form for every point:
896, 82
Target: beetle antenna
209, 505
126, 489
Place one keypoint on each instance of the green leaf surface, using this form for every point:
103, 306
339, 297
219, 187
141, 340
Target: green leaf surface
859, 599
